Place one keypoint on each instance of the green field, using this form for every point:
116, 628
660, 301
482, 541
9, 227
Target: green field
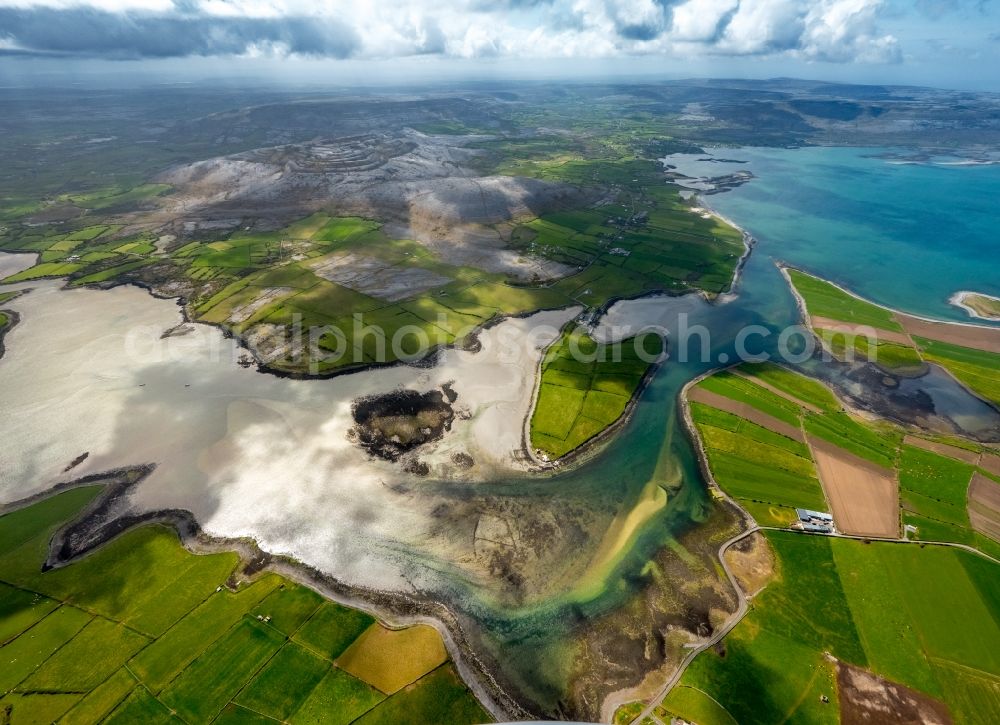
643, 238
925, 617
768, 473
979, 370
585, 387
647, 241
798, 386
143, 631
827, 300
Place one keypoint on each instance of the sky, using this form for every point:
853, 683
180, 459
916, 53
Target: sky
946, 43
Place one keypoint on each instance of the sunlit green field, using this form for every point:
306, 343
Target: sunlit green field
826, 300
586, 387
891, 608
143, 631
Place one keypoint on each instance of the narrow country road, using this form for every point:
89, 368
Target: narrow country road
741, 610
733, 620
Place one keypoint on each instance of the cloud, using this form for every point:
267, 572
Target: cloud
845, 30
92, 32
702, 20
828, 30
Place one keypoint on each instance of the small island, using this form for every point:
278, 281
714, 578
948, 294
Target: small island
977, 304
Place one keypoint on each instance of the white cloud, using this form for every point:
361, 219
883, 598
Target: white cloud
833, 30
763, 26
845, 30
699, 20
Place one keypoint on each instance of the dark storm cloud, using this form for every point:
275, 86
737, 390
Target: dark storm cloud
90, 32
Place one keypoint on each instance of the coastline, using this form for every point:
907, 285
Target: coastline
800, 303
749, 243
393, 608
959, 300
782, 265
93, 529
13, 318
593, 445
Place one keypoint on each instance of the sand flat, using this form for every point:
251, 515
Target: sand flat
249, 454
863, 496
744, 410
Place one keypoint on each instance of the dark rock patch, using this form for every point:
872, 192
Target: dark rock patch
462, 459
391, 425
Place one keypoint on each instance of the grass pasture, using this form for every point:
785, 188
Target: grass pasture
976, 369
140, 631
585, 388
890, 356
798, 386
766, 471
648, 240
440, 696
825, 299
284, 683
923, 616
934, 487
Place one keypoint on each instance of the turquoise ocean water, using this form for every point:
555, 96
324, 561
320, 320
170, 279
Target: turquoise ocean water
904, 235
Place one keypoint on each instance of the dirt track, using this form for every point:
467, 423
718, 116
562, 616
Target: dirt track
990, 464
864, 496
825, 323
943, 449
743, 410
974, 336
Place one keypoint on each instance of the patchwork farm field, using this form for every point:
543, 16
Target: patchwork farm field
345, 276
890, 608
754, 422
648, 240
761, 458
143, 631
586, 387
